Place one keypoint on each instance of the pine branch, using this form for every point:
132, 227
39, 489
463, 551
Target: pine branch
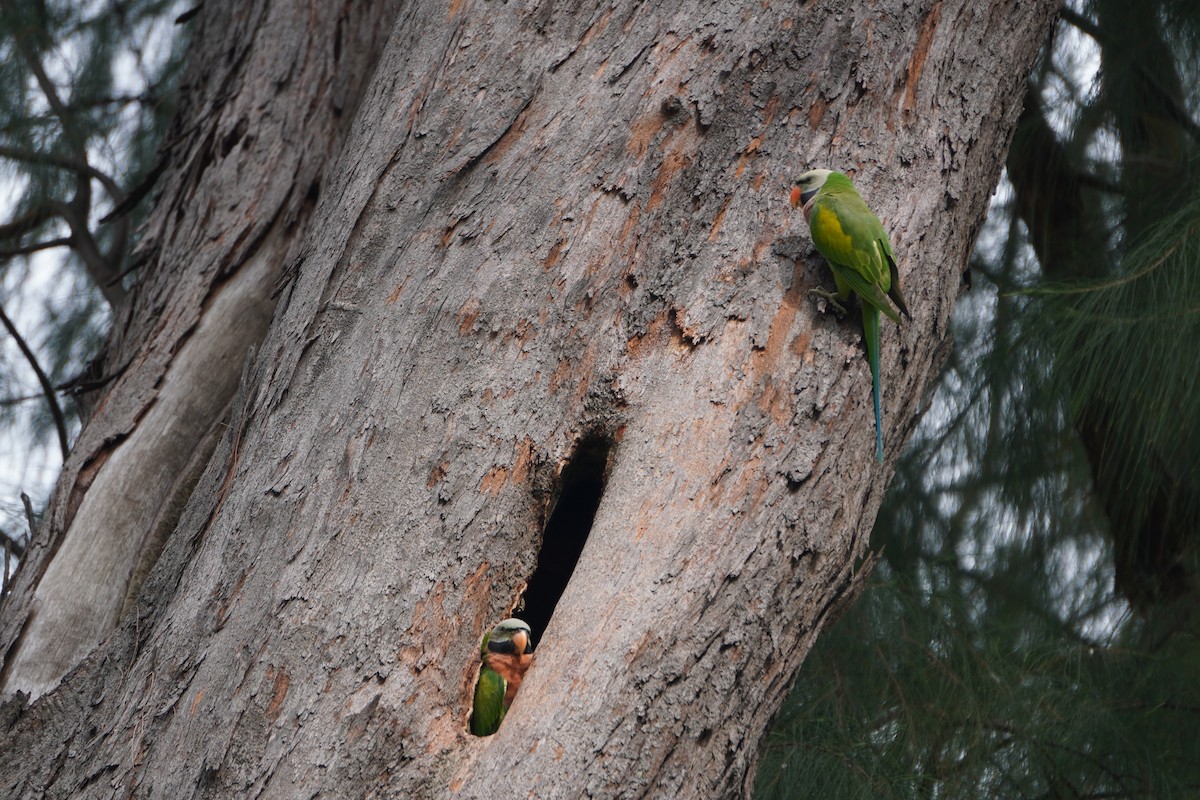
65, 162
47, 389
24, 42
186, 16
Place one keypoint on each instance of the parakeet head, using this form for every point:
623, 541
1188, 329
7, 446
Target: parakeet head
807, 185
510, 636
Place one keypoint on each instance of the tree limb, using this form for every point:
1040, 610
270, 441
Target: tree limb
47, 389
30, 517
139, 191
101, 270
8, 402
12, 544
54, 160
26, 249
28, 221
7, 561
1077, 20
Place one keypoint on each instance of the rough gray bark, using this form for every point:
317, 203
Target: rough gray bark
259, 126
552, 224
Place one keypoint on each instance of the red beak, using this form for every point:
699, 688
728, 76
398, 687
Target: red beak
795, 196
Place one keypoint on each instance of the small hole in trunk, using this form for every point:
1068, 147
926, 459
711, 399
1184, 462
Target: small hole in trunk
572, 510
571, 514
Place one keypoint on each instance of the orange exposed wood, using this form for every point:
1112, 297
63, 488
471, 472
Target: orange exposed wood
515, 131
816, 112
718, 219
642, 132
554, 255
279, 690
526, 332
227, 605
916, 64
777, 402
524, 461
596, 28
494, 480
769, 111
800, 345
395, 295
467, 316
436, 475
630, 223
633, 347
196, 702
679, 147
746, 155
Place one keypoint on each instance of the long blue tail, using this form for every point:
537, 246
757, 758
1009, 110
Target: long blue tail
871, 334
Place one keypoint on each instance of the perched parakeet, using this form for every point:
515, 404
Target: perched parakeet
506, 654
856, 246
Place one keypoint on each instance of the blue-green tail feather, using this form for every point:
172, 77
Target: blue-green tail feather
871, 334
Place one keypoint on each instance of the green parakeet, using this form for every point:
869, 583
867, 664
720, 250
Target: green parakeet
506, 654
856, 246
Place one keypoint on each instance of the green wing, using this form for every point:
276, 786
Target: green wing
489, 702
894, 292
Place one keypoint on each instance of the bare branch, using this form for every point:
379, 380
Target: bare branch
26, 249
1085, 25
30, 517
146, 98
7, 561
13, 544
7, 402
28, 221
47, 389
139, 191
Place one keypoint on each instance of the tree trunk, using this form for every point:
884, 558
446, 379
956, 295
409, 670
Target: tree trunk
267, 101
552, 304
